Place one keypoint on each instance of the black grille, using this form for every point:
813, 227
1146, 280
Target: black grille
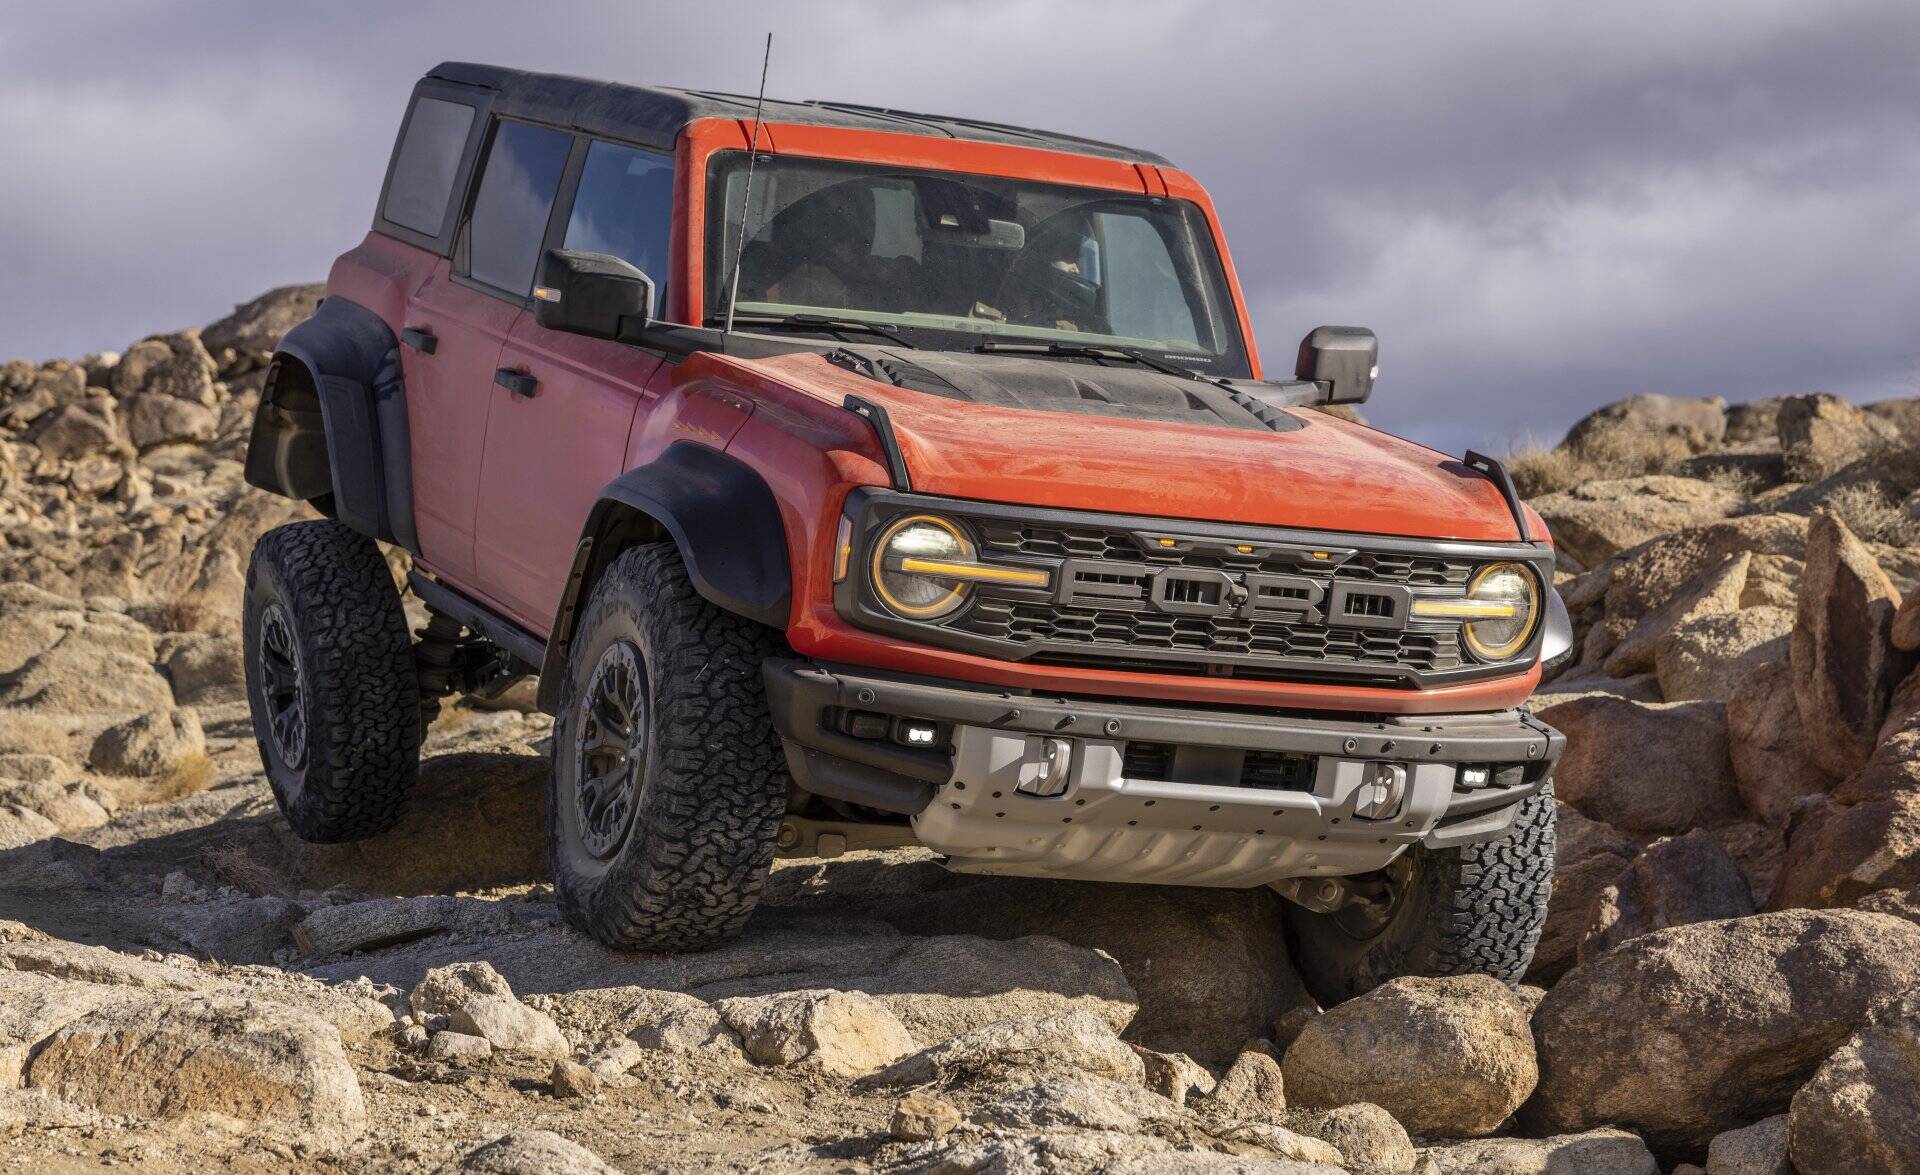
1143, 760
1269, 770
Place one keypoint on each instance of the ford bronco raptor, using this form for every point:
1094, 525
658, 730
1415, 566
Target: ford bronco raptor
853, 478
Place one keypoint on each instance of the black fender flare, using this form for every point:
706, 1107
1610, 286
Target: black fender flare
717, 510
338, 374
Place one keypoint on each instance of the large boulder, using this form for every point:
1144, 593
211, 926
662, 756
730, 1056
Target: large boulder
1845, 668
1716, 590
1068, 1042
1461, 1061
174, 365
1840, 852
1650, 574
840, 1033
1673, 882
1822, 434
1370, 1140
1596, 1152
1695, 1030
1759, 1149
1772, 765
159, 743
154, 419
1253, 1089
190, 1056
528, 1152
1711, 657
80, 429
245, 339
1596, 520
1860, 1115
1645, 423
1654, 769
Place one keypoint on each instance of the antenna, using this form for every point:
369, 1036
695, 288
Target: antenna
746, 195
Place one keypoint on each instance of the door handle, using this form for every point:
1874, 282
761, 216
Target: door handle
518, 382
421, 339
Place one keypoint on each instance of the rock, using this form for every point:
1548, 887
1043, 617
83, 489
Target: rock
530, 1152
690, 1032
1759, 1149
1284, 1144
84, 963
155, 744
1089, 1103
1861, 1112
164, 420
188, 1056
842, 1033
1461, 1063
459, 1048
80, 429
571, 1079
1176, 1076
1650, 574
1596, 1152
1821, 434
1253, 1089
1110, 1153
1772, 767
1711, 657
509, 1026
1712, 592
1633, 424
1695, 1030
1905, 632
245, 340
922, 1117
1368, 1138
32, 1008
66, 806
1647, 768
1773, 581
1754, 422
1070, 1042
360, 926
1845, 668
1838, 853
174, 365
1673, 882
246, 930
1596, 520
1577, 890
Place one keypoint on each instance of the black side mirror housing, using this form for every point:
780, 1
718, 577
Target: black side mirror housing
591, 293
1343, 360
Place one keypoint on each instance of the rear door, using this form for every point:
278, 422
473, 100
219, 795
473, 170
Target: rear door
464, 313
552, 446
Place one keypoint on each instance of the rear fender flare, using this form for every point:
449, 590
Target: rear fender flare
338, 373
719, 513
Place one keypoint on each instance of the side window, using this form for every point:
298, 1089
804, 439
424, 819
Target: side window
624, 207
425, 166
509, 221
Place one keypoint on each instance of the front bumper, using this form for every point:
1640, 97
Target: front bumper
1152, 793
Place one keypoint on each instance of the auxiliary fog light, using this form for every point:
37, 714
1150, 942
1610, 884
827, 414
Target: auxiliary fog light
915, 732
1383, 788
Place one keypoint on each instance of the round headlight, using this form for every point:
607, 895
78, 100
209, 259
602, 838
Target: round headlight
1511, 585
913, 595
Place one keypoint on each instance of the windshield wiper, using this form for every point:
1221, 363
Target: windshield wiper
825, 322
1089, 351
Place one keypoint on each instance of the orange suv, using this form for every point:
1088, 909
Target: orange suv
854, 478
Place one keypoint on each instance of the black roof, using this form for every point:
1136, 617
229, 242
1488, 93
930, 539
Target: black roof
655, 115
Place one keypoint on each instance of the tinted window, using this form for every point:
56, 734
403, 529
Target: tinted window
510, 211
429, 158
624, 207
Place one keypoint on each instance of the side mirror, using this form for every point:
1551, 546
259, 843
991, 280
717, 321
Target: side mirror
589, 293
1342, 359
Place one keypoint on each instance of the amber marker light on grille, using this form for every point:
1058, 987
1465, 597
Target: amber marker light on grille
976, 572
843, 549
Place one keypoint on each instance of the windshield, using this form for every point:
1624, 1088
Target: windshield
949, 260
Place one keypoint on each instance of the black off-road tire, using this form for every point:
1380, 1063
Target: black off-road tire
1476, 909
683, 869
330, 680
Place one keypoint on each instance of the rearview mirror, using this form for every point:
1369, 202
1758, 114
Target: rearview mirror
1343, 359
590, 293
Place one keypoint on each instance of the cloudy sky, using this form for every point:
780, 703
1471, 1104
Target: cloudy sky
1539, 206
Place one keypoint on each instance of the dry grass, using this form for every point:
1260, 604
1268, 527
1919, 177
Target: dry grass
190, 776
1873, 516
176, 615
1538, 471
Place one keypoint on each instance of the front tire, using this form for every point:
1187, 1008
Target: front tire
1476, 909
668, 784
330, 681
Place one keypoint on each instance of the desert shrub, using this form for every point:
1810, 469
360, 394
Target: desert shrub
1873, 515
1604, 457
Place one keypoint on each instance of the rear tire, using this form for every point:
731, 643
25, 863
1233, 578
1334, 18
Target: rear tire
1476, 909
668, 783
330, 681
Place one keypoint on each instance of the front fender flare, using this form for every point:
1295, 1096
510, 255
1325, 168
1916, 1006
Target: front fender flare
718, 512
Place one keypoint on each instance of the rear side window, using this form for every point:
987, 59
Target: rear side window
428, 161
624, 207
509, 221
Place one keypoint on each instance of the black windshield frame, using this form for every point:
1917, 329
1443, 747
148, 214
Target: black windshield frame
1218, 346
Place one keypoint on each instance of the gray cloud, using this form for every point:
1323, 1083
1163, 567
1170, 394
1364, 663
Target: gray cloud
1539, 207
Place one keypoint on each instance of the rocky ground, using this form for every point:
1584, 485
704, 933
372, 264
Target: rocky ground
1731, 974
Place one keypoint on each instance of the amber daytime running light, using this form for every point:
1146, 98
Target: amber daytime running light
1500, 609
924, 567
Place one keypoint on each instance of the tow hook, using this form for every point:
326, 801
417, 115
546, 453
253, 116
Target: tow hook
1045, 773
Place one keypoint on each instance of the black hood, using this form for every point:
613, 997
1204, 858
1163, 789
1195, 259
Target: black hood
1125, 390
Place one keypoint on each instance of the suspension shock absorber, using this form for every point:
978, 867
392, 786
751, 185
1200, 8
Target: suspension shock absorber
436, 662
